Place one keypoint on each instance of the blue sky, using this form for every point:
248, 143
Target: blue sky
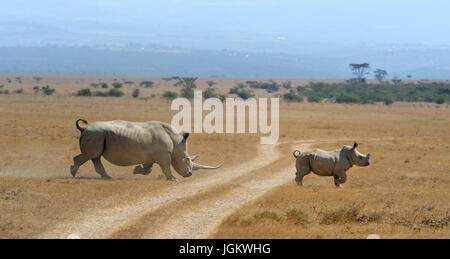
381, 21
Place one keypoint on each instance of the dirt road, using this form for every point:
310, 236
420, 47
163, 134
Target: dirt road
194, 209
234, 187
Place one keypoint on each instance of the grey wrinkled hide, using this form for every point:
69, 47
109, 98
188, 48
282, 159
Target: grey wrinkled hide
125, 143
329, 163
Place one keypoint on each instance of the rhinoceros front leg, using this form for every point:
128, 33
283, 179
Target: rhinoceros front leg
145, 169
100, 169
166, 170
340, 178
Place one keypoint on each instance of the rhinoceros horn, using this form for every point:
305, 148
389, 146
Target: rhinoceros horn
196, 167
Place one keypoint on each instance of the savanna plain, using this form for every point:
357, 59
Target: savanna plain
404, 193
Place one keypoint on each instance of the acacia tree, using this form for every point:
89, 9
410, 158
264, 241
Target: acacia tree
396, 80
188, 84
380, 74
211, 83
360, 70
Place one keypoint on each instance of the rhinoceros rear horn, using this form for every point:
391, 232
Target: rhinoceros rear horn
196, 167
354, 145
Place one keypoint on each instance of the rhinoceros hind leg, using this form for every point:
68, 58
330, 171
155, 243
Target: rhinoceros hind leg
77, 162
300, 174
100, 169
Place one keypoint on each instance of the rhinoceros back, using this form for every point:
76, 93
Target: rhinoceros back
131, 143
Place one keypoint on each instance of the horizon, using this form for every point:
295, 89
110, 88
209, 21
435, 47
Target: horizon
404, 37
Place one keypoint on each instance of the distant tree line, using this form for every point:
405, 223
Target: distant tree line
370, 93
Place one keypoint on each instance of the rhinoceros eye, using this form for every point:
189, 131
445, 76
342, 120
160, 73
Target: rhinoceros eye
360, 157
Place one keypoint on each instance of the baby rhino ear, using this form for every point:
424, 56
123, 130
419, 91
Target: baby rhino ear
354, 145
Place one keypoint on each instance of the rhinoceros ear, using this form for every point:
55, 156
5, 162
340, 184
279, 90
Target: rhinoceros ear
185, 136
354, 145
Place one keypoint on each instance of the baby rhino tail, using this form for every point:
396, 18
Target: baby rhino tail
296, 155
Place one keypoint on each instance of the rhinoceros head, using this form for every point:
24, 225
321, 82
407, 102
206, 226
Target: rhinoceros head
182, 162
358, 158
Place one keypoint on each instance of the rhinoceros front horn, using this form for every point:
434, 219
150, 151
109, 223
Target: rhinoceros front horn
196, 167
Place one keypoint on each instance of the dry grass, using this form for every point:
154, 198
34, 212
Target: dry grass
403, 194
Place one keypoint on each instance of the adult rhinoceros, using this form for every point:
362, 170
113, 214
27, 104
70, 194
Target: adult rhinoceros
135, 143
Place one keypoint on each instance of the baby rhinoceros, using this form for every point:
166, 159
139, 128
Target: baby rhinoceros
329, 163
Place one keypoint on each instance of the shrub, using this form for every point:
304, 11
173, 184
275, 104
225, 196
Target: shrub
1, 86
297, 217
111, 93
47, 90
234, 90
169, 95
104, 85
210, 93
211, 83
36, 89
94, 85
344, 214
292, 97
267, 215
245, 94
100, 94
287, 85
388, 100
4, 91
18, 91
135, 93
242, 93
117, 85
270, 86
146, 84
84, 92
115, 92
314, 99
347, 98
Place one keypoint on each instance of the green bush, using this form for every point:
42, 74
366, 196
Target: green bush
146, 84
169, 95
292, 97
287, 85
245, 94
233, 90
111, 93
100, 94
104, 85
210, 93
270, 86
117, 85
18, 91
47, 90
365, 93
115, 92
135, 93
84, 92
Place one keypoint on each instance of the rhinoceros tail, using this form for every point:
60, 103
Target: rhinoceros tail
296, 155
78, 126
